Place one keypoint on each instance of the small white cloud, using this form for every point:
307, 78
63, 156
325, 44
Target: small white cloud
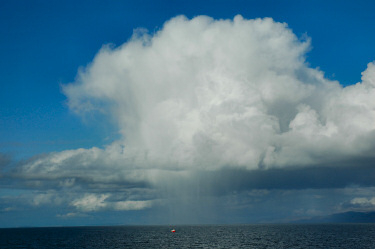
8, 209
71, 215
131, 205
359, 204
363, 201
90, 202
42, 199
95, 202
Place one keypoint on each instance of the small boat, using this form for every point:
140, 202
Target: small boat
173, 231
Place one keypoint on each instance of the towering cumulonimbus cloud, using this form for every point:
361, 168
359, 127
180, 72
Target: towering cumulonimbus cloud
206, 93
198, 99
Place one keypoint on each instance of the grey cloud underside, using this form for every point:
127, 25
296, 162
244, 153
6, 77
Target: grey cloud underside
358, 172
320, 177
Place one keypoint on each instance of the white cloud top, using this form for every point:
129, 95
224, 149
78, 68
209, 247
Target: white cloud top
211, 93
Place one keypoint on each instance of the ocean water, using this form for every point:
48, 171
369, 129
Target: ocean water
203, 236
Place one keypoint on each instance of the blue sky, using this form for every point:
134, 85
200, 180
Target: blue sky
43, 45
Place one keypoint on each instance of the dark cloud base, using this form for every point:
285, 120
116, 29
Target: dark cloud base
318, 177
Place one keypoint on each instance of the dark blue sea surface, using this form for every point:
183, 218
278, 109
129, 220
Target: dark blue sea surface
203, 236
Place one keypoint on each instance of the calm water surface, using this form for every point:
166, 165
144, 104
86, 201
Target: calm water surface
206, 236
